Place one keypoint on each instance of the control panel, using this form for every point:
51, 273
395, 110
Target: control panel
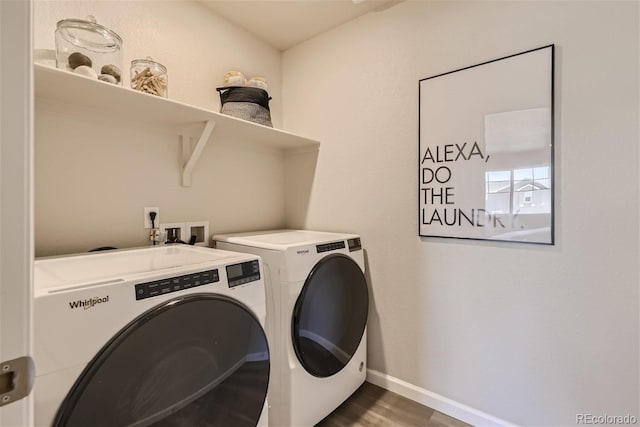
333, 246
174, 284
354, 244
239, 274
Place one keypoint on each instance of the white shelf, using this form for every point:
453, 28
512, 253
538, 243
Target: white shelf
63, 86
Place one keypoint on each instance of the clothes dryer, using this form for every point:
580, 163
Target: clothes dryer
166, 336
317, 307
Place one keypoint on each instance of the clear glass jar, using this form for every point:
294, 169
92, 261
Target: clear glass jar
90, 49
149, 76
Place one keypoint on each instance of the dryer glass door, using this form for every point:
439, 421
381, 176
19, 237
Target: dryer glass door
330, 315
199, 360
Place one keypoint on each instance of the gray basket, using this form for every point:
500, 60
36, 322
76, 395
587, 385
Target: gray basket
247, 103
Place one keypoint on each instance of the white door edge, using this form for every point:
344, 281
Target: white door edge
16, 194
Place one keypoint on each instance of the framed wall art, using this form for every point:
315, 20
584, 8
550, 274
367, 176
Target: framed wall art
486, 150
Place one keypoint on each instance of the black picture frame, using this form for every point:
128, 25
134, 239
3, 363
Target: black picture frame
486, 150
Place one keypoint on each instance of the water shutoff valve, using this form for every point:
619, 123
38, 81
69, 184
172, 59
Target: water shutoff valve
157, 236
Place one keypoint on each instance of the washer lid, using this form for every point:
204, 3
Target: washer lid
282, 239
120, 265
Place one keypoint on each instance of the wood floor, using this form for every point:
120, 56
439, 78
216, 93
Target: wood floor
371, 405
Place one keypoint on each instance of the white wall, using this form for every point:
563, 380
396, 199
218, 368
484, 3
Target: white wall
95, 174
530, 334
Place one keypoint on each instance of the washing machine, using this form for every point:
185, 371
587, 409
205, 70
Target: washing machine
164, 336
317, 307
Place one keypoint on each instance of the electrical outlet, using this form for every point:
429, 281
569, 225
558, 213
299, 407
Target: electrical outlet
147, 218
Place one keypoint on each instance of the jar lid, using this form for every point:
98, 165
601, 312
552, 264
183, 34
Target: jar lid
88, 34
149, 62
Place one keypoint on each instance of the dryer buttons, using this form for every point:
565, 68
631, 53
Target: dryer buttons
333, 246
174, 284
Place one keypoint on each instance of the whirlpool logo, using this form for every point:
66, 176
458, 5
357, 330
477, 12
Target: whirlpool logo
302, 252
88, 303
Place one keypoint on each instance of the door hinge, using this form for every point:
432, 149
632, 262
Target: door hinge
16, 379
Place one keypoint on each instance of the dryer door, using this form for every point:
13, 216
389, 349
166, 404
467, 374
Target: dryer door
199, 360
330, 315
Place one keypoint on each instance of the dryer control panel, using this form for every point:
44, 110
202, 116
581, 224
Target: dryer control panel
354, 245
333, 246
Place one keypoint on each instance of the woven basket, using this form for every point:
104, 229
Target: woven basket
247, 103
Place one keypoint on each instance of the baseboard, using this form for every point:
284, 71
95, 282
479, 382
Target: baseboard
435, 401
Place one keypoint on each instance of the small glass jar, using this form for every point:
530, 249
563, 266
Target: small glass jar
149, 76
90, 49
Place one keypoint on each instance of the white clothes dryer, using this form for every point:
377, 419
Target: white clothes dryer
317, 307
164, 336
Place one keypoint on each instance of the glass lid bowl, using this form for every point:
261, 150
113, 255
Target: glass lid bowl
85, 47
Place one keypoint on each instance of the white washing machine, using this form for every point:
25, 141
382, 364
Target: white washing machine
165, 336
317, 307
